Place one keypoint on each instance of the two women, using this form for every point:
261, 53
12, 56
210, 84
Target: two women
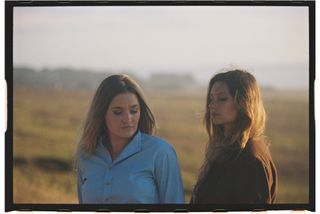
120, 162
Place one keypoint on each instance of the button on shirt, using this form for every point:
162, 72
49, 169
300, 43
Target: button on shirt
146, 171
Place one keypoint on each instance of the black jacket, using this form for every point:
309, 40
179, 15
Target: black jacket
248, 178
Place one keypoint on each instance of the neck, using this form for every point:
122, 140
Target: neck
226, 130
117, 146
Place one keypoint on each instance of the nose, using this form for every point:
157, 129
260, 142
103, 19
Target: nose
212, 105
127, 117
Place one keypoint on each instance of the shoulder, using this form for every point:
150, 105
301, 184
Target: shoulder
255, 168
155, 143
87, 159
83, 159
256, 158
81, 155
258, 151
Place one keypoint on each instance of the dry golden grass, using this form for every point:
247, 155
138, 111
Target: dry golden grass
46, 126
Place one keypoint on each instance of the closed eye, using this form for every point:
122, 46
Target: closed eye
223, 99
117, 112
134, 111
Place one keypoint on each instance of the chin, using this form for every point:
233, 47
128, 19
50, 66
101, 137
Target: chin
216, 122
128, 134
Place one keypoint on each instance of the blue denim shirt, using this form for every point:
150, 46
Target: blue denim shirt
146, 171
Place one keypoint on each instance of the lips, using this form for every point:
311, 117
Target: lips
214, 114
127, 127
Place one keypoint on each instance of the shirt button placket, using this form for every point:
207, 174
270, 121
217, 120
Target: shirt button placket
107, 186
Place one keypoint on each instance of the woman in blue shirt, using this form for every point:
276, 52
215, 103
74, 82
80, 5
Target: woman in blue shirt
118, 159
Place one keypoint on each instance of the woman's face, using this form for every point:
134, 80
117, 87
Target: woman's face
223, 110
122, 116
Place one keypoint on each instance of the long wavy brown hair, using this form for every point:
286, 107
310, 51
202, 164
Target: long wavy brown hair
94, 124
249, 124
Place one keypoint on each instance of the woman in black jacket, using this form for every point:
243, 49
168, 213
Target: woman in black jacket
238, 167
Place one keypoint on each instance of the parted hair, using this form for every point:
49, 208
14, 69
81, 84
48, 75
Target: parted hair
94, 124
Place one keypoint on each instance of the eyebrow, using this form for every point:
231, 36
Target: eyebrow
120, 108
219, 93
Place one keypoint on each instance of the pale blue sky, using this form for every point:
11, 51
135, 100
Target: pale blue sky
271, 42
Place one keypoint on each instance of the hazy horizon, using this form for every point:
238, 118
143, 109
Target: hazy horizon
200, 80
270, 42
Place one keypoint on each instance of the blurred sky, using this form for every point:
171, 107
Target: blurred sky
269, 41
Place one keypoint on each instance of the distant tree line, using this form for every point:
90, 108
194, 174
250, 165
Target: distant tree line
71, 79
61, 78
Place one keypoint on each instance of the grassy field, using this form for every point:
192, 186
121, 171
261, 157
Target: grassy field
46, 128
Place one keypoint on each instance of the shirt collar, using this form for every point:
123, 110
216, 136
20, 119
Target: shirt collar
134, 146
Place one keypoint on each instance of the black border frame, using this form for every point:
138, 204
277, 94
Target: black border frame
10, 206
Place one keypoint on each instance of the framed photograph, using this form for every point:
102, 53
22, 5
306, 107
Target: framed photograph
57, 53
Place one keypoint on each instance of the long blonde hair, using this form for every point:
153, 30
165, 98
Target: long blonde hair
94, 124
249, 124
